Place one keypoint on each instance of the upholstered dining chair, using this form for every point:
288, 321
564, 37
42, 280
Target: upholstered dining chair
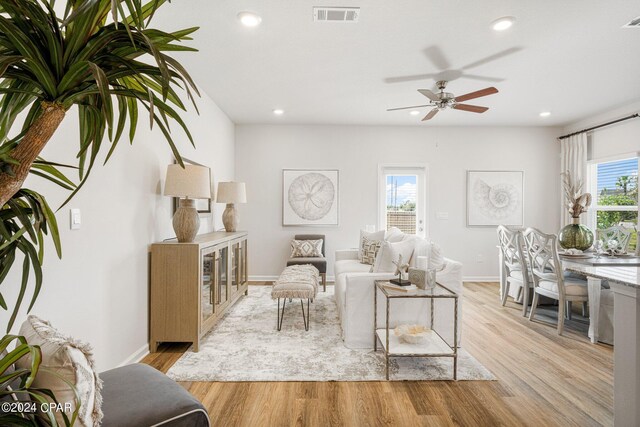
548, 276
514, 260
318, 262
617, 232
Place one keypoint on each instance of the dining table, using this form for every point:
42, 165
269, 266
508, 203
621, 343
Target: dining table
622, 273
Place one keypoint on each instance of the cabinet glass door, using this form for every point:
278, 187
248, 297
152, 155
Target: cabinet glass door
207, 291
236, 261
222, 263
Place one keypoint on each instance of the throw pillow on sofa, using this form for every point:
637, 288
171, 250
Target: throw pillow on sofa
370, 249
389, 253
71, 360
375, 236
306, 248
393, 235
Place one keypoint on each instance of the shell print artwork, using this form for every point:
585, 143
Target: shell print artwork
311, 196
496, 201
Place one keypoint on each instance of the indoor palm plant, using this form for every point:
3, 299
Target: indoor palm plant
99, 56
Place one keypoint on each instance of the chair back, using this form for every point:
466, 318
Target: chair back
617, 232
513, 255
312, 237
542, 251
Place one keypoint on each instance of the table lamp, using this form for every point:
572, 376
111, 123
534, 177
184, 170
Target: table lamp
231, 193
188, 183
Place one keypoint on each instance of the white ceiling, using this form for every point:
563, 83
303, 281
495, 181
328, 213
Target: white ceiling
569, 57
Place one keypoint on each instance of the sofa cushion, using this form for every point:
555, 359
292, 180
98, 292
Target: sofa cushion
393, 235
349, 266
138, 395
69, 359
370, 249
376, 236
389, 253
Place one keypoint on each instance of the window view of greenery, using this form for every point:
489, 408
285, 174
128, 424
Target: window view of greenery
617, 184
401, 202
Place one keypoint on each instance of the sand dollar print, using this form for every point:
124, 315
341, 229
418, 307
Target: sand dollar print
311, 196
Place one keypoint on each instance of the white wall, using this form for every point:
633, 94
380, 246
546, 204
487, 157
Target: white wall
262, 151
98, 292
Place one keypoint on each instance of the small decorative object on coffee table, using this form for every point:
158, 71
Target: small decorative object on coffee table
575, 235
418, 277
430, 342
401, 270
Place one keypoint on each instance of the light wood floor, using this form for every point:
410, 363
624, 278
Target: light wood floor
543, 380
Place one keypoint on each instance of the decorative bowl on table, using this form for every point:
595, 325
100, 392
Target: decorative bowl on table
412, 334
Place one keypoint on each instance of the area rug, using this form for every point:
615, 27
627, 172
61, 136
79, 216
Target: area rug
245, 346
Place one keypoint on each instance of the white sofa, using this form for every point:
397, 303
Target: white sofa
354, 292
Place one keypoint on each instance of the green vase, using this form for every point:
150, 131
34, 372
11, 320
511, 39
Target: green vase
576, 236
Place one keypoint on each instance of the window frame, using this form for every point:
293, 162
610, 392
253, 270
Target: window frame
592, 185
420, 169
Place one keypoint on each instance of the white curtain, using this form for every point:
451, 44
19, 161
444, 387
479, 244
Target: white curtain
573, 158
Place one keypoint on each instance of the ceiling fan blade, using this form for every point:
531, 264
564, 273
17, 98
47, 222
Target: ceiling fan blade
431, 114
437, 58
476, 94
413, 78
482, 78
408, 108
493, 57
470, 108
432, 96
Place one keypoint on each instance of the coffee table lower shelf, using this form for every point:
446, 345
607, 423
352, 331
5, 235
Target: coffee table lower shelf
434, 346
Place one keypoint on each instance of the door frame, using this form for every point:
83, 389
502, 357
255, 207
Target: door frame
383, 170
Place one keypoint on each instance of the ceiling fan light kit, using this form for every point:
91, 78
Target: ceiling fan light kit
442, 100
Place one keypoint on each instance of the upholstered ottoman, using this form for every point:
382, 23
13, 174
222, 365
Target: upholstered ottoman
139, 395
296, 281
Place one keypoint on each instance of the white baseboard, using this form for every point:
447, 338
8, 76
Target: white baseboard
481, 279
137, 356
273, 278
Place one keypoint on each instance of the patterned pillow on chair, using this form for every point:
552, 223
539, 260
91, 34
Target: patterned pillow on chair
306, 248
370, 249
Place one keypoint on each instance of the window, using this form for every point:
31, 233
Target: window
403, 199
614, 186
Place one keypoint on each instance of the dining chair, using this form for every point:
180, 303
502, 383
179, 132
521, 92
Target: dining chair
514, 265
617, 232
549, 279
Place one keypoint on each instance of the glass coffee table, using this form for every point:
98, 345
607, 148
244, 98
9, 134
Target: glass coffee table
434, 345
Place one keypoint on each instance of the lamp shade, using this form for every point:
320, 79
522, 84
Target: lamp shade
231, 192
193, 181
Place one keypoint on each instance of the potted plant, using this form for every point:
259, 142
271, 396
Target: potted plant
102, 58
575, 235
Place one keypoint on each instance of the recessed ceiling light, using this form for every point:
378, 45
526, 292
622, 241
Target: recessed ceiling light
545, 114
249, 19
278, 112
414, 112
503, 23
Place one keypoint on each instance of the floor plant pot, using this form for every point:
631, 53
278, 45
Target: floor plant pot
576, 236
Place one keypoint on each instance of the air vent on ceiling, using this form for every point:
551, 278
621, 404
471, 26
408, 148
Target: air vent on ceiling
635, 23
336, 14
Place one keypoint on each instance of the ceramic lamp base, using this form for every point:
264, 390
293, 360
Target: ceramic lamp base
230, 217
186, 221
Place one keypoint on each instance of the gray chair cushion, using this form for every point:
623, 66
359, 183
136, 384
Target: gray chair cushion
319, 263
139, 395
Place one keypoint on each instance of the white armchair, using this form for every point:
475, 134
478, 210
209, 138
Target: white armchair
354, 292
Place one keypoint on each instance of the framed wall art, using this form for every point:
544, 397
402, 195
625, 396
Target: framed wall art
495, 198
310, 197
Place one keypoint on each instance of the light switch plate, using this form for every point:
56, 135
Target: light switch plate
75, 219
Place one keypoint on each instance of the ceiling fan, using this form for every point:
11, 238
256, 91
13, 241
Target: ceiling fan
442, 100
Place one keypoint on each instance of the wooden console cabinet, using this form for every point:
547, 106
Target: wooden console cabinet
193, 284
